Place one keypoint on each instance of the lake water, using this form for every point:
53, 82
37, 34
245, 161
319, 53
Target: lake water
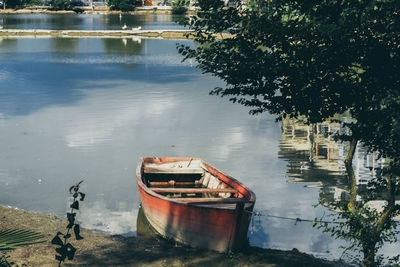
88, 21
88, 108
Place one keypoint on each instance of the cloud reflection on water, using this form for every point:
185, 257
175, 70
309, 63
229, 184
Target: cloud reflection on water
63, 122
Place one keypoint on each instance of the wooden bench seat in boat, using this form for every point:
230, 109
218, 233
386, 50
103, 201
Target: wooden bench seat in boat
174, 183
175, 170
211, 200
193, 190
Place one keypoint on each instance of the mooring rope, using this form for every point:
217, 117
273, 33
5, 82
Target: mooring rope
297, 219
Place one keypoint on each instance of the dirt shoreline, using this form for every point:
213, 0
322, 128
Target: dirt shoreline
99, 249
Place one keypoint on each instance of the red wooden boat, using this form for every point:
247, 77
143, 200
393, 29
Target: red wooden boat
191, 202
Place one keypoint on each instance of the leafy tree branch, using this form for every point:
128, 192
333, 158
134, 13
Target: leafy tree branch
315, 59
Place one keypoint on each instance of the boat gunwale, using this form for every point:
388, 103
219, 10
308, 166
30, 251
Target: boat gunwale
140, 171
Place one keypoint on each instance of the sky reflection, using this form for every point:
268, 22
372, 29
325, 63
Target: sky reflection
89, 108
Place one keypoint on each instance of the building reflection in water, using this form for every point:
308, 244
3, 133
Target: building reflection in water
316, 159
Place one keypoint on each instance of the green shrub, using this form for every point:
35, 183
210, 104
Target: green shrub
179, 6
14, 3
60, 4
22, 3
123, 5
35, 3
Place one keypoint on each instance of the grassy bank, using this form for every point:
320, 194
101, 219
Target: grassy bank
98, 249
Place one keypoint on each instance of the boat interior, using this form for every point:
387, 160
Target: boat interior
188, 182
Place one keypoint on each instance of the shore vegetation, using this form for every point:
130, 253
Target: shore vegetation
123, 5
312, 60
179, 6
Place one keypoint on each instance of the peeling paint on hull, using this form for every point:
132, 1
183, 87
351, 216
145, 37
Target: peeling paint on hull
221, 225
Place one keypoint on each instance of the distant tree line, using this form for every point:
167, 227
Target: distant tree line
123, 5
22, 3
178, 6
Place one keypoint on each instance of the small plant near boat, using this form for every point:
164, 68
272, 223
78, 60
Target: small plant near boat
179, 6
4, 261
65, 249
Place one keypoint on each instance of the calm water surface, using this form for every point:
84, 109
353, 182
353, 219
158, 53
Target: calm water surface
88, 108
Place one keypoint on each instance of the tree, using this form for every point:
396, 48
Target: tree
13, 3
123, 5
365, 226
313, 59
60, 4
179, 6
20, 3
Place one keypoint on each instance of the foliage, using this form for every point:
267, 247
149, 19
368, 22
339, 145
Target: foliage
10, 239
179, 6
315, 59
383, 117
35, 3
123, 5
359, 227
13, 238
366, 227
14, 3
66, 249
302, 58
60, 4
23, 3
5, 261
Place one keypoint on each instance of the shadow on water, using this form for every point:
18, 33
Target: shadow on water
8, 43
64, 45
150, 249
122, 46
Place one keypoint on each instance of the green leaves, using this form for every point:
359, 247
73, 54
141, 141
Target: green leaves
60, 4
314, 59
315, 48
57, 240
77, 231
179, 6
75, 205
76, 194
123, 5
66, 250
75, 187
10, 239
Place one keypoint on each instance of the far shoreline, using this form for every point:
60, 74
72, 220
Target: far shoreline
152, 10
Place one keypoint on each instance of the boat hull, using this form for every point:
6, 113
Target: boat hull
208, 225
